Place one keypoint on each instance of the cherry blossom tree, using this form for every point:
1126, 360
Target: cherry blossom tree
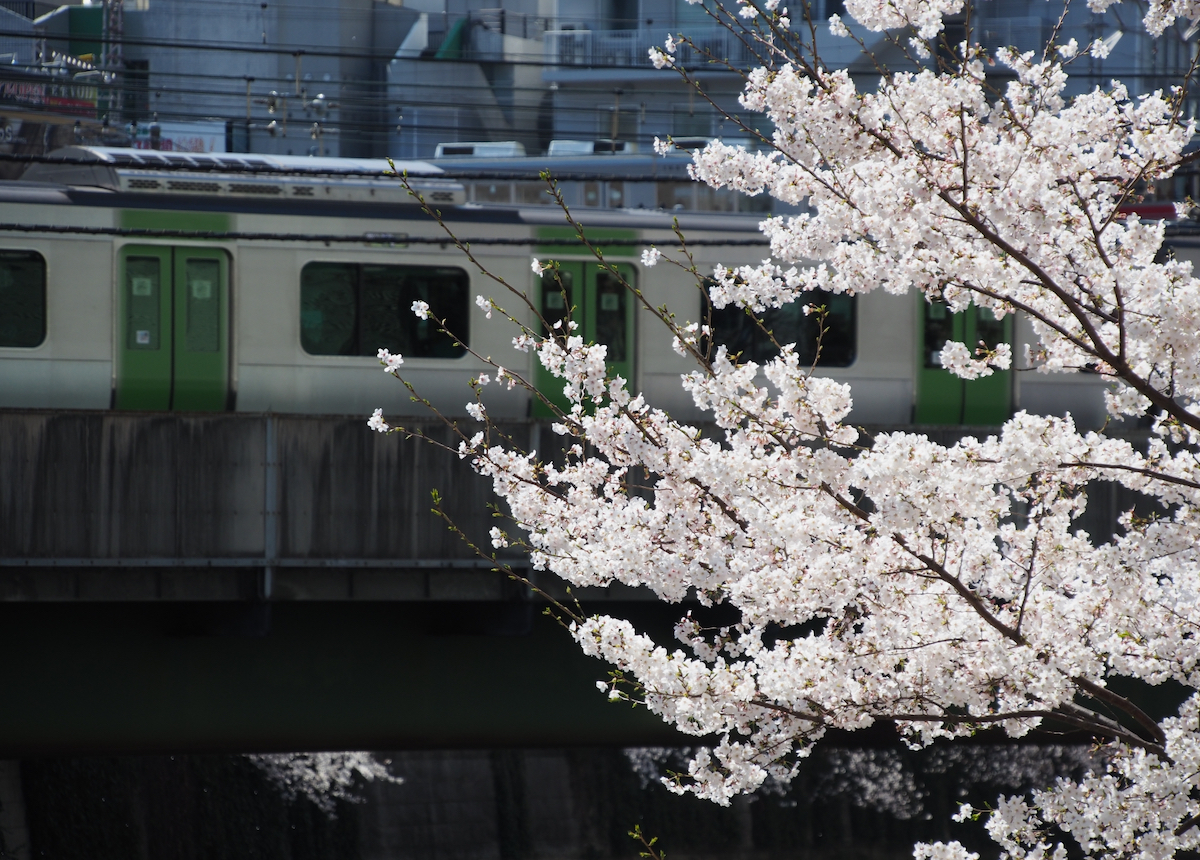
943, 588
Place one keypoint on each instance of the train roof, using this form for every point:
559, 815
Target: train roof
336, 187
150, 159
244, 175
632, 167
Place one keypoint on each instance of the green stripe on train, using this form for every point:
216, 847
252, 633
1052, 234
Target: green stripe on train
593, 234
168, 219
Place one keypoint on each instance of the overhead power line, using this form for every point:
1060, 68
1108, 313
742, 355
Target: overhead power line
237, 84
252, 48
271, 170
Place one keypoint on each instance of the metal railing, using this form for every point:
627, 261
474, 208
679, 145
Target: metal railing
630, 48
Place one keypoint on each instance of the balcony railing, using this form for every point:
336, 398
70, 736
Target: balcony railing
716, 45
630, 48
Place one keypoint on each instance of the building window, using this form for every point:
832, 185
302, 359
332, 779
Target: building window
135, 90
356, 309
614, 123
690, 12
689, 122
533, 193
22, 298
493, 192
620, 14
742, 335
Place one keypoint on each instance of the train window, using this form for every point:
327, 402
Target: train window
534, 193
939, 325
611, 314
493, 192
22, 298
203, 305
760, 203
143, 297
355, 309
675, 195
939, 328
709, 199
741, 335
557, 300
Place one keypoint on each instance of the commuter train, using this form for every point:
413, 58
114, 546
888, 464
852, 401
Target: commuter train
137, 280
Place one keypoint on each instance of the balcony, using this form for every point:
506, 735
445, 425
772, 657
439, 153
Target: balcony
581, 48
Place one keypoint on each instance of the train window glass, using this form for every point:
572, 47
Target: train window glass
388, 293
203, 305
353, 309
493, 192
939, 328
675, 195
328, 308
616, 195
534, 194
591, 194
759, 203
22, 298
143, 298
989, 329
709, 199
611, 297
557, 301
741, 334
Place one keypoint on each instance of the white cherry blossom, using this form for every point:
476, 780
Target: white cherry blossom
391, 363
376, 422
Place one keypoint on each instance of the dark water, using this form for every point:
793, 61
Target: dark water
509, 804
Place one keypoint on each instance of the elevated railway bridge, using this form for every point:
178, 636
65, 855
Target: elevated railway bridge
238, 582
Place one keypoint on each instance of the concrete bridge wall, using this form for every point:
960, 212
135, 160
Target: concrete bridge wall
255, 582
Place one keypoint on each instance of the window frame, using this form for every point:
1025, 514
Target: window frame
813, 297
359, 267
39, 257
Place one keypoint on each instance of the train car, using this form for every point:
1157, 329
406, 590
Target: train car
138, 280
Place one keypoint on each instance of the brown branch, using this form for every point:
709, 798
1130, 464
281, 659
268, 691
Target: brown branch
1149, 473
1123, 704
937, 569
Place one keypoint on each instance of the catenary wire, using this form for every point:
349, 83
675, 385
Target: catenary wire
322, 51
304, 51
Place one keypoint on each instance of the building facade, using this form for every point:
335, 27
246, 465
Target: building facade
399, 77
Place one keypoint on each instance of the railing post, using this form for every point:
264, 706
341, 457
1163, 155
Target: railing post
270, 510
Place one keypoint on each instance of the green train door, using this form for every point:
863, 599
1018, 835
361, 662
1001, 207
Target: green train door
173, 350
942, 397
596, 298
